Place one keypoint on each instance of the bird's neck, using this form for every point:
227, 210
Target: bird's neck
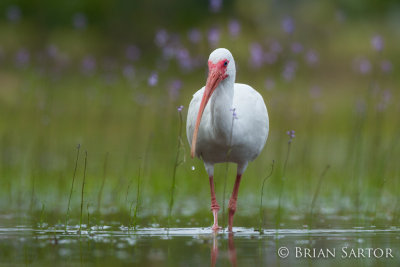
221, 113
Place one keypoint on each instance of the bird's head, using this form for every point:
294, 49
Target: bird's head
221, 68
222, 65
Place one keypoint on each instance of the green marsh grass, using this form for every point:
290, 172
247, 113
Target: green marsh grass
72, 187
82, 193
42, 216
342, 116
178, 161
261, 198
102, 184
46, 111
282, 180
88, 216
315, 196
134, 222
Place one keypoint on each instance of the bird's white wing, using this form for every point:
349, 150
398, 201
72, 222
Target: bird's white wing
252, 126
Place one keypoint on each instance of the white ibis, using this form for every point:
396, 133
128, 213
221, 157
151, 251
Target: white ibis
226, 122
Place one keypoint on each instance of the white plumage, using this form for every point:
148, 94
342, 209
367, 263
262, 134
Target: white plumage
222, 135
216, 135
245, 135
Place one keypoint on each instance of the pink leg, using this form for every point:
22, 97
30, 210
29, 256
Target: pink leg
232, 202
214, 204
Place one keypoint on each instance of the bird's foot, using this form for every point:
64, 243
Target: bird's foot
215, 227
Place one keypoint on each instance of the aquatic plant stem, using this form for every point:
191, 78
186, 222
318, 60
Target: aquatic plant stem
42, 215
72, 186
278, 217
88, 216
136, 212
102, 184
316, 193
177, 163
82, 193
261, 199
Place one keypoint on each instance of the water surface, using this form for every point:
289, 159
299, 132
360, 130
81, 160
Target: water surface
196, 246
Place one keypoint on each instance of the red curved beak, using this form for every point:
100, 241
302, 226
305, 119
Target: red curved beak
215, 76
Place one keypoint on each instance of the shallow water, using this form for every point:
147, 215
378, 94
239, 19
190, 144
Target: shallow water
153, 246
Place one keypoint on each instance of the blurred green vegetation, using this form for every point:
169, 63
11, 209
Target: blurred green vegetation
78, 72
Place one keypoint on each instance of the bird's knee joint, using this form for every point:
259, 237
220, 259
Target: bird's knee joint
232, 206
215, 206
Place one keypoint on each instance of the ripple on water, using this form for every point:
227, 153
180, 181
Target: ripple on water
105, 233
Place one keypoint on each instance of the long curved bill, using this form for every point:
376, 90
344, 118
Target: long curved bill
213, 80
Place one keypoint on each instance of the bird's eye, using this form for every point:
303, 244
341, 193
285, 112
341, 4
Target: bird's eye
226, 63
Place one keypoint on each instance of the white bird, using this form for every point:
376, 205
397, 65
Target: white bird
226, 122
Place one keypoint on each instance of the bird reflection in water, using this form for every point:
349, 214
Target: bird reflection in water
231, 249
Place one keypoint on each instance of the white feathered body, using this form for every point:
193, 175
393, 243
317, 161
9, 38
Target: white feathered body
221, 136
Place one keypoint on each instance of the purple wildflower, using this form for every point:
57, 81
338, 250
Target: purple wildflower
377, 43
168, 52
22, 58
198, 61
312, 57
180, 108
234, 28
256, 55
52, 51
128, 71
88, 65
288, 25
297, 47
215, 5
213, 36
79, 21
270, 57
386, 66
385, 99
365, 66
289, 70
132, 53
291, 135
13, 13
275, 47
234, 114
194, 36
161, 38
184, 60
153, 79
362, 65
174, 89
